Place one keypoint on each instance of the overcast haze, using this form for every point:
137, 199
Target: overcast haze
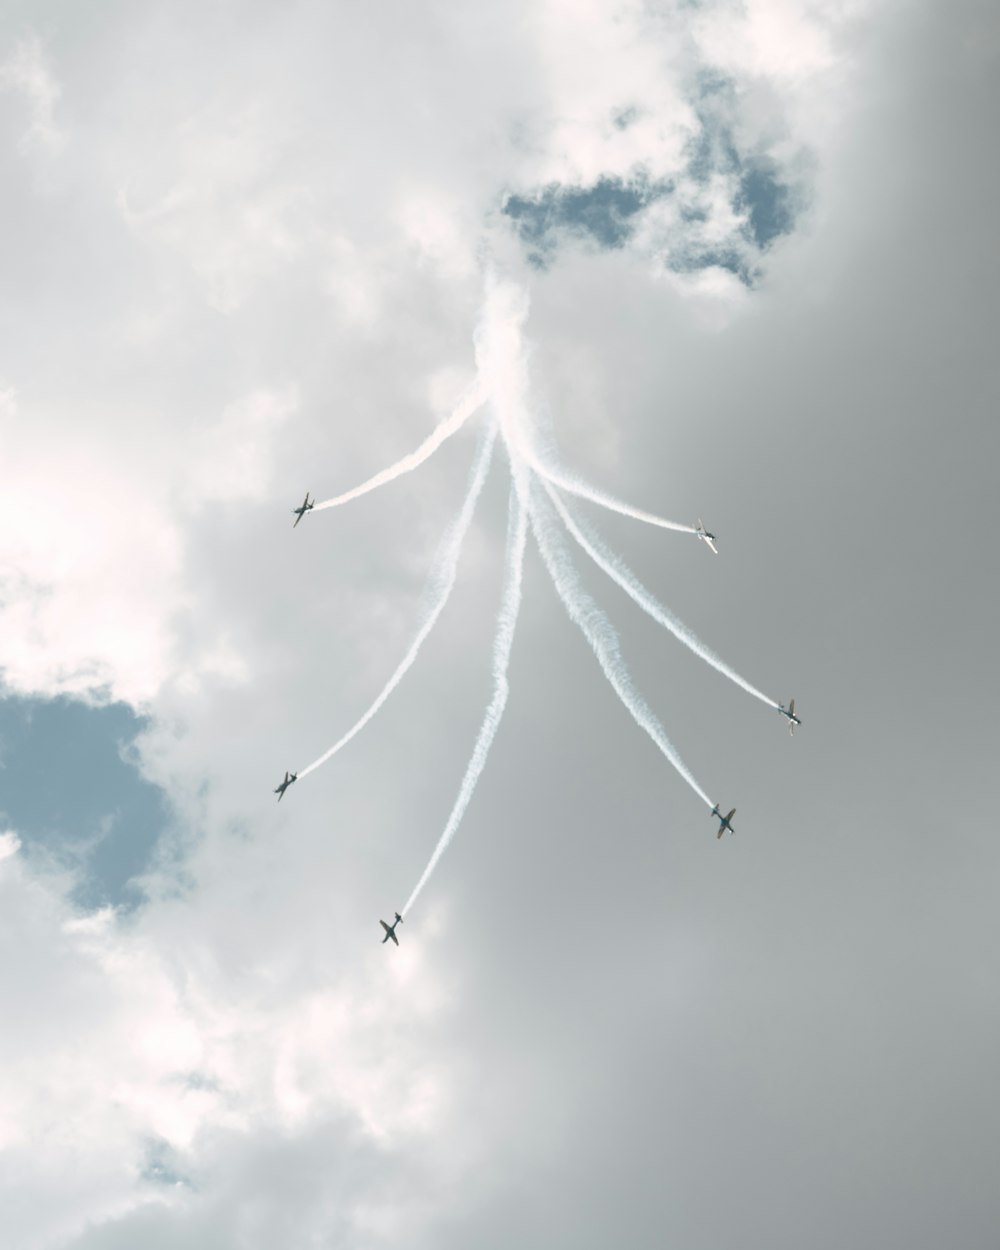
244, 251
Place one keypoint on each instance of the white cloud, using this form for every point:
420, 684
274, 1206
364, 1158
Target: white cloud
354, 280
117, 1036
439, 228
620, 90
232, 460
776, 39
93, 530
601, 64
26, 72
264, 275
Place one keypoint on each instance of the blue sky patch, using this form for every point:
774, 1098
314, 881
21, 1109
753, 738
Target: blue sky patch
715, 258
68, 792
606, 213
768, 202
602, 213
159, 1165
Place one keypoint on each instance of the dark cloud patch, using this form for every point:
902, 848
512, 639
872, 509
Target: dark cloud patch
768, 202
603, 213
761, 192
712, 151
606, 213
159, 1166
716, 258
624, 118
72, 796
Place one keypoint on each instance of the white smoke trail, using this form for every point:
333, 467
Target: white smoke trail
510, 605
619, 572
467, 405
601, 635
439, 587
577, 487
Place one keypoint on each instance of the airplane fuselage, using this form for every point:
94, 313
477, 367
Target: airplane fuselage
283, 786
789, 714
301, 511
725, 822
706, 537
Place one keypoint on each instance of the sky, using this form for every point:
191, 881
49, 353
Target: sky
720, 260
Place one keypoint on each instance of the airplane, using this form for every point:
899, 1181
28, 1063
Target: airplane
707, 538
300, 512
725, 822
283, 785
789, 712
390, 930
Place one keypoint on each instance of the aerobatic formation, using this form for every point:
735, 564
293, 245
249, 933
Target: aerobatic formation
538, 501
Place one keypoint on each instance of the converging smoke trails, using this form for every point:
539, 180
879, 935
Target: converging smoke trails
601, 635
577, 487
440, 584
507, 620
537, 500
467, 405
619, 572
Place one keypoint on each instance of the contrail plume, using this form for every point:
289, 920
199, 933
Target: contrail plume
439, 587
619, 572
601, 635
576, 486
510, 605
467, 405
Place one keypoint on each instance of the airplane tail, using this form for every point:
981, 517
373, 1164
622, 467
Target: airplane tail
399, 918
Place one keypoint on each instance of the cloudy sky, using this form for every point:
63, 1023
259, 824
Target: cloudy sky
749, 259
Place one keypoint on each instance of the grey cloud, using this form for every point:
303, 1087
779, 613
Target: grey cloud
784, 1039
323, 1184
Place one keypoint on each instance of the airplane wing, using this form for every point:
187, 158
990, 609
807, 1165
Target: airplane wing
394, 938
791, 706
720, 833
731, 815
385, 926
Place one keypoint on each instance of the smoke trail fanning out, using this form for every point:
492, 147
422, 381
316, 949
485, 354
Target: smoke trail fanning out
440, 583
600, 633
510, 605
577, 487
619, 572
467, 405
